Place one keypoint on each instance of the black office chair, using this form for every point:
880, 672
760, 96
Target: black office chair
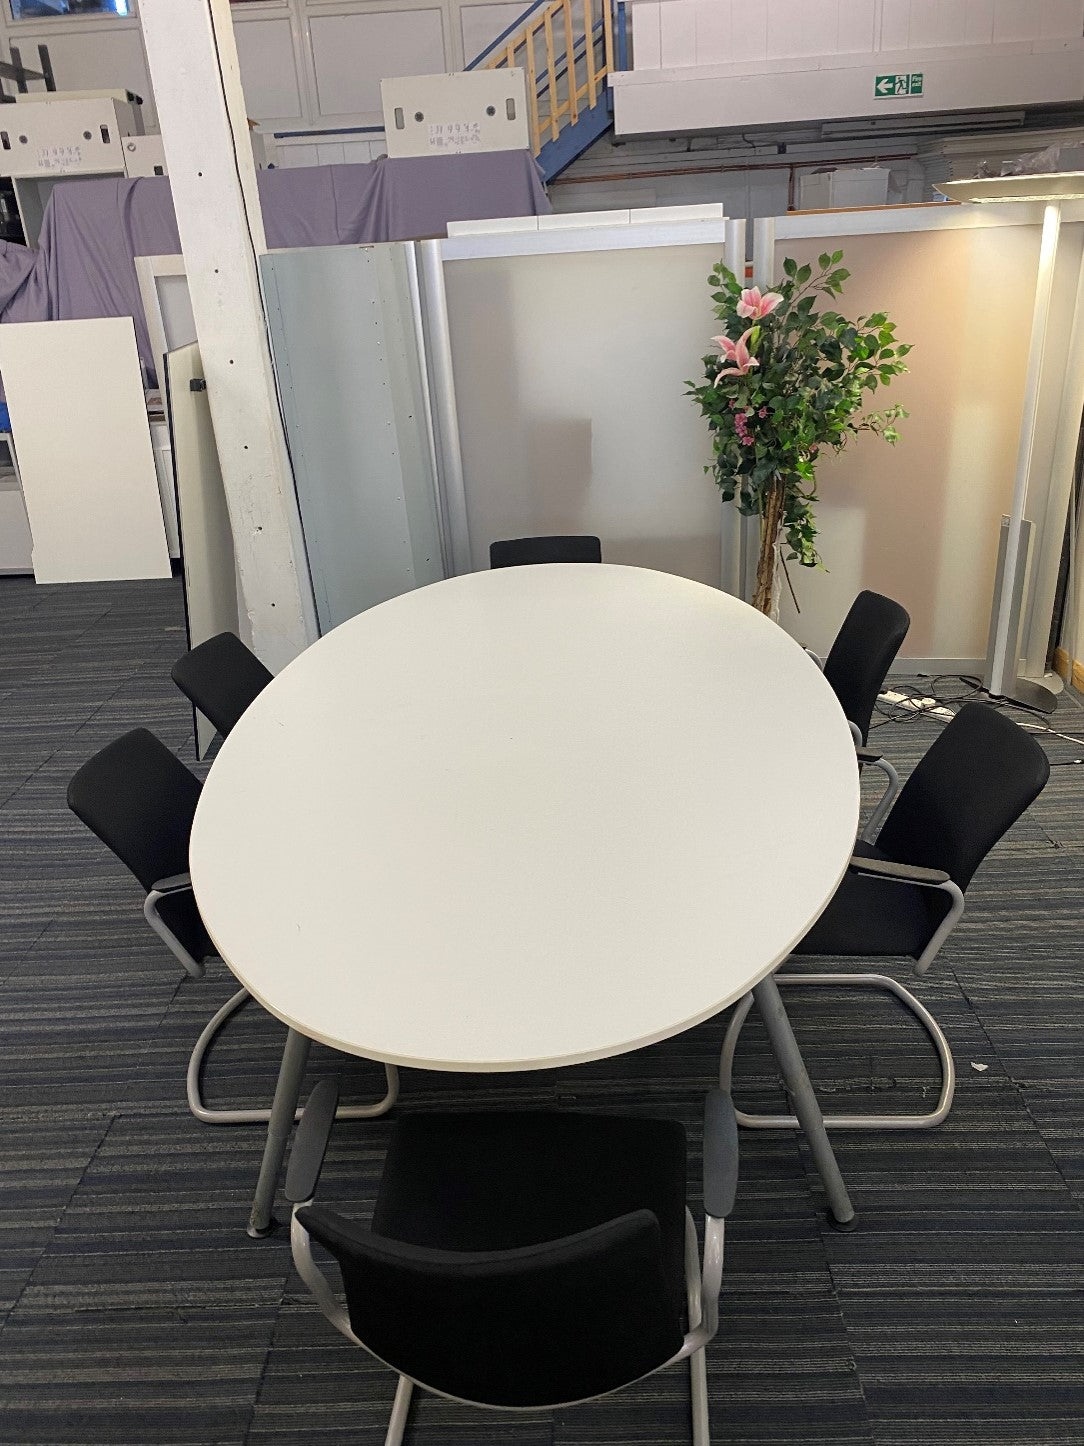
523, 1261
221, 677
517, 551
865, 648
904, 894
140, 800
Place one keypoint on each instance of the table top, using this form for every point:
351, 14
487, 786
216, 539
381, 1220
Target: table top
525, 818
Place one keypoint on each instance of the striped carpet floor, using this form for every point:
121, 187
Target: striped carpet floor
134, 1309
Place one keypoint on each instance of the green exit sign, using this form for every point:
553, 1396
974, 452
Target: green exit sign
885, 86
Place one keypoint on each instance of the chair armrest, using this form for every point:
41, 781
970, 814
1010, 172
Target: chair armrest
310, 1142
868, 755
175, 884
720, 1154
900, 873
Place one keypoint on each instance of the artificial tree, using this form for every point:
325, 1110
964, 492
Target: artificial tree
789, 382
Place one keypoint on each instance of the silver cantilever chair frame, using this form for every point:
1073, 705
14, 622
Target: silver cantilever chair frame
865, 981
703, 1285
182, 883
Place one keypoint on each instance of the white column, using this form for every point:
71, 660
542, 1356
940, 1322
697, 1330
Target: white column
197, 87
1046, 564
1003, 663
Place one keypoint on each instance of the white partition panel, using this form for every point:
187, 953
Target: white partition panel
79, 420
570, 355
210, 571
570, 377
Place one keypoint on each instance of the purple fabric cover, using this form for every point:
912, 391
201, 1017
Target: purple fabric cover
93, 230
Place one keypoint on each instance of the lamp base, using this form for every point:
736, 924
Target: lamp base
1027, 693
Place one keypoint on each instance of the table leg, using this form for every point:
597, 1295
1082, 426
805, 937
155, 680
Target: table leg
785, 1048
287, 1091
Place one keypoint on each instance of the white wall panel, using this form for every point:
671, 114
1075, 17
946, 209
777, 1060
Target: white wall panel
933, 22
99, 59
678, 34
1062, 19
750, 30
1015, 20
268, 72
481, 24
353, 53
895, 24
357, 151
795, 29
714, 29
647, 33
980, 22
291, 155
856, 26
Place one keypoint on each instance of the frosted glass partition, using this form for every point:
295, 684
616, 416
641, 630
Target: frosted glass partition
920, 521
570, 370
351, 380
570, 375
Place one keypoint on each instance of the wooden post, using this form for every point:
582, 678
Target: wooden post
532, 92
551, 72
570, 62
197, 87
589, 52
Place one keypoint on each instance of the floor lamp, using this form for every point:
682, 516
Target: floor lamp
1001, 678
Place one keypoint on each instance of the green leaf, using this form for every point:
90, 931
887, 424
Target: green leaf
790, 266
824, 260
803, 275
837, 257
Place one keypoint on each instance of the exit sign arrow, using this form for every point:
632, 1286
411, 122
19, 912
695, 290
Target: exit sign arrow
885, 86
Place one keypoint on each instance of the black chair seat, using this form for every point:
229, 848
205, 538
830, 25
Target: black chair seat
470, 1182
875, 917
522, 1260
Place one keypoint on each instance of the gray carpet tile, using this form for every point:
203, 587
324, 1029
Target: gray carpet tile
134, 1309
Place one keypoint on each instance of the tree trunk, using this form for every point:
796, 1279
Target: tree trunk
769, 534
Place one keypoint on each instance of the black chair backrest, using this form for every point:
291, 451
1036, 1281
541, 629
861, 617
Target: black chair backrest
536, 1326
969, 789
516, 551
140, 800
868, 640
221, 677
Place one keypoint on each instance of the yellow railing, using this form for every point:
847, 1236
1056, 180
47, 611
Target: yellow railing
573, 40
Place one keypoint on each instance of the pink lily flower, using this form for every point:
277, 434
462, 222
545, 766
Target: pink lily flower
755, 306
736, 352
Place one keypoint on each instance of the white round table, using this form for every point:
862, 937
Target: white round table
526, 818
